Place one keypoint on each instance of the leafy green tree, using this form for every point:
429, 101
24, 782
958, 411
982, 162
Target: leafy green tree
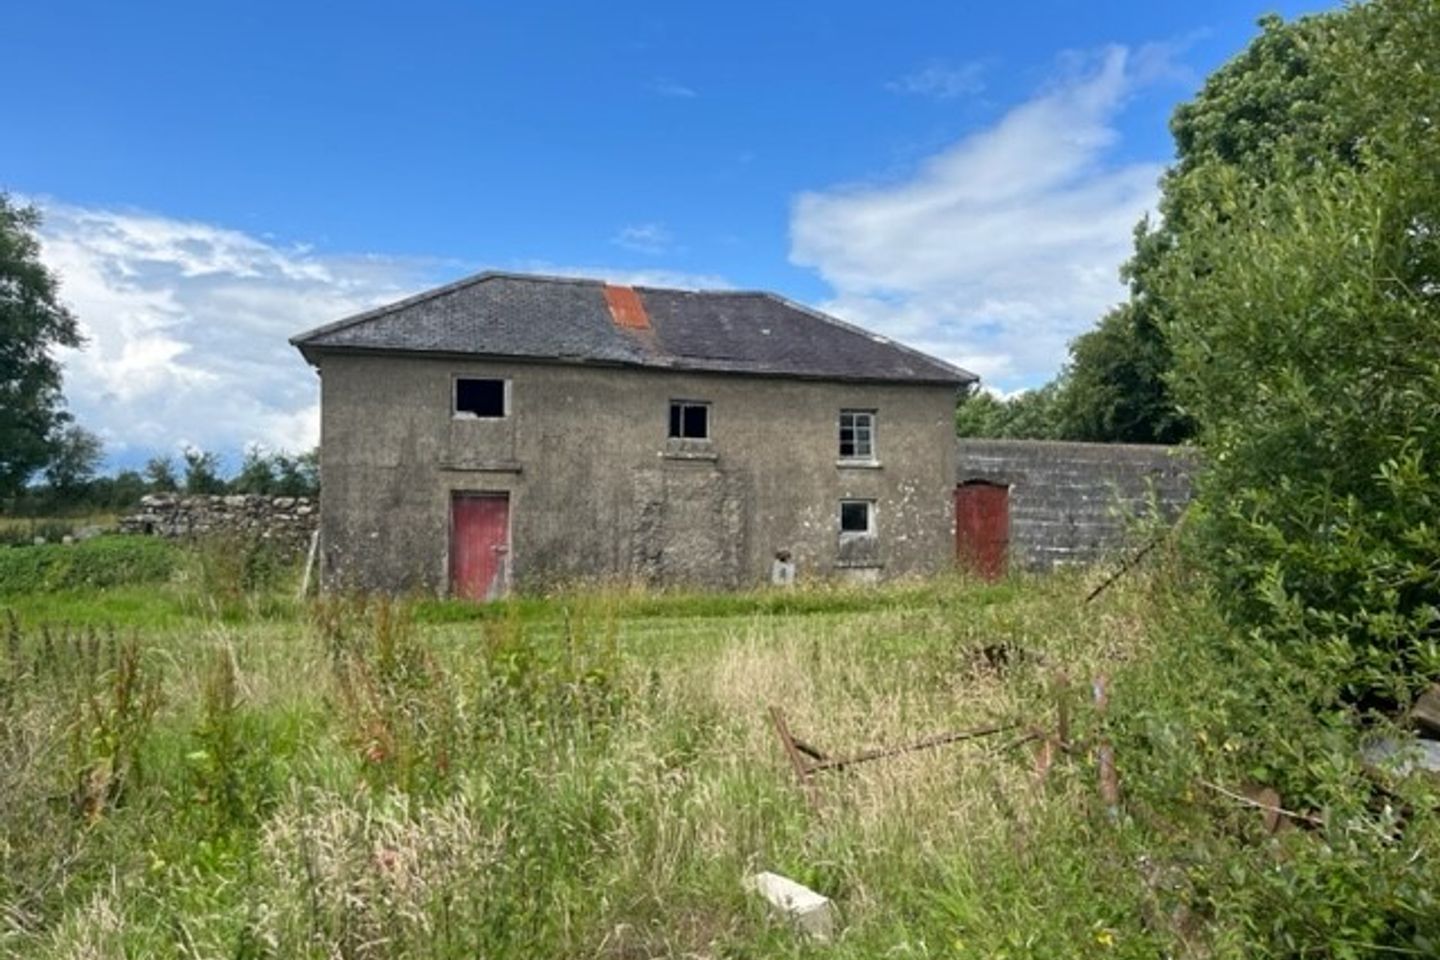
202, 471
32, 321
298, 476
1031, 415
1280, 100
74, 460
1114, 388
122, 491
257, 472
160, 475
1304, 317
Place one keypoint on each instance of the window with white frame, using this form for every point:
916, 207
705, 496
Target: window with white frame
857, 434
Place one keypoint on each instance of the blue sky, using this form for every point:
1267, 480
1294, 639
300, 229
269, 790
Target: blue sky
218, 176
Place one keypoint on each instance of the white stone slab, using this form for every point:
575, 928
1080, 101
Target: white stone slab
812, 912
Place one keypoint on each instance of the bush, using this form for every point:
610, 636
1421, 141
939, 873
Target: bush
1309, 357
1305, 315
101, 562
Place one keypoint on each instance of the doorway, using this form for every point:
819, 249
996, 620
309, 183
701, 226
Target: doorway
479, 545
982, 528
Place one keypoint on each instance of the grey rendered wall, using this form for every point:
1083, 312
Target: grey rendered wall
1071, 502
597, 491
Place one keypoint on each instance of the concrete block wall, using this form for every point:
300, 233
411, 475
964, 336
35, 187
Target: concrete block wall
1075, 502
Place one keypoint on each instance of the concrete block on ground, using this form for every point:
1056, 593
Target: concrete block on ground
812, 912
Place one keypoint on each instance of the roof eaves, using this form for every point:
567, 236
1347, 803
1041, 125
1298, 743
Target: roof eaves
652, 364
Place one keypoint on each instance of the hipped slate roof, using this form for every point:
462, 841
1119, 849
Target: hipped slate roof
570, 321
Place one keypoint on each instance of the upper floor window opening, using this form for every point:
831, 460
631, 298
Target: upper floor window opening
487, 399
689, 420
857, 434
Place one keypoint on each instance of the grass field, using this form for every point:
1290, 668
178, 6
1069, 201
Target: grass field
595, 774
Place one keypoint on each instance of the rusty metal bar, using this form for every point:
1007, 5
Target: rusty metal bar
1125, 566
927, 743
792, 751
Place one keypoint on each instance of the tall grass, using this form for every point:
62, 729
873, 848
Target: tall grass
593, 775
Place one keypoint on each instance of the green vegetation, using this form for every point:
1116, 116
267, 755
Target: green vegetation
32, 322
91, 564
195, 763
594, 774
1330, 95
73, 492
1305, 307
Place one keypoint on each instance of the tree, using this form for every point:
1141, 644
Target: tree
160, 475
75, 457
1114, 388
1280, 98
32, 322
124, 490
1031, 415
257, 472
202, 471
1304, 318
298, 476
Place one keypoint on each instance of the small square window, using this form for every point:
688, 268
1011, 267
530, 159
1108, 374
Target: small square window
689, 420
857, 434
857, 517
479, 398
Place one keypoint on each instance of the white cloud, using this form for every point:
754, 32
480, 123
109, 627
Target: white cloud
651, 238
669, 88
1001, 248
187, 326
942, 81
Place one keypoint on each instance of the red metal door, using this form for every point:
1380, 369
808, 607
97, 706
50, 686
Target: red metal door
479, 545
982, 528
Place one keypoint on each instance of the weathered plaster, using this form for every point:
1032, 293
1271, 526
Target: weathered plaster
597, 491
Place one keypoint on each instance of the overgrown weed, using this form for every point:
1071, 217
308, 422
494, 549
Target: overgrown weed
575, 778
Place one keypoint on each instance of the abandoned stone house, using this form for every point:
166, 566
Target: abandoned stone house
524, 431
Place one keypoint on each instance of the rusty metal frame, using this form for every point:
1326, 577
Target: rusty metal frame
807, 760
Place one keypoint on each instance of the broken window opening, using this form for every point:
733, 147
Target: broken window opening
857, 518
857, 434
689, 420
480, 398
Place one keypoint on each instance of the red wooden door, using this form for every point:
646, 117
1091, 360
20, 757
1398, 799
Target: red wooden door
982, 528
479, 545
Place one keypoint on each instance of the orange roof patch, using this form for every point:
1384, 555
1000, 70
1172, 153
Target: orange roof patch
626, 309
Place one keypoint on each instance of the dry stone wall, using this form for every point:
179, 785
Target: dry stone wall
287, 522
1074, 502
